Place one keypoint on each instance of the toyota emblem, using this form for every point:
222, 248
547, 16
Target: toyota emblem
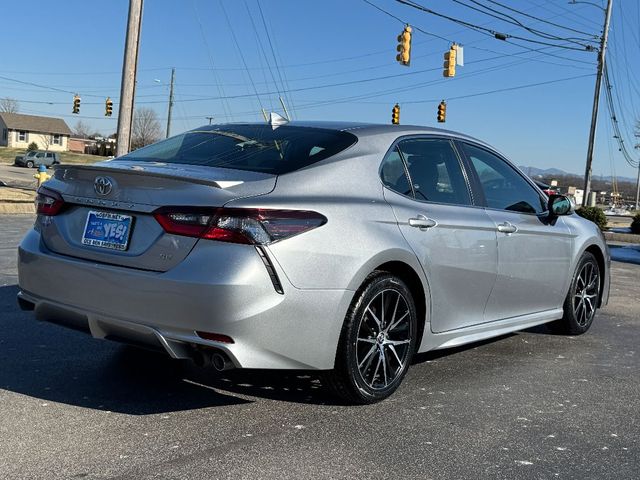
103, 185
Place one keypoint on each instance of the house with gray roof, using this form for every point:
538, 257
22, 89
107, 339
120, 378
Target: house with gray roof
18, 131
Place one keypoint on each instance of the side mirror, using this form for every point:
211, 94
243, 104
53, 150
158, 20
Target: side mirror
560, 205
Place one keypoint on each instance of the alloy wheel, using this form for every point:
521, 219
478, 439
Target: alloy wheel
384, 339
585, 298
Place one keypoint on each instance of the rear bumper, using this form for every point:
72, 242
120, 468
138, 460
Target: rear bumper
219, 288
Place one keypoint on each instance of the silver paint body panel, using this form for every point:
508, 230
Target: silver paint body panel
478, 282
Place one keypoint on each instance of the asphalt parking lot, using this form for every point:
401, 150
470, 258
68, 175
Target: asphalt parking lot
530, 405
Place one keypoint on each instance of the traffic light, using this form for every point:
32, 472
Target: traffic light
395, 114
404, 47
108, 107
76, 104
450, 62
442, 112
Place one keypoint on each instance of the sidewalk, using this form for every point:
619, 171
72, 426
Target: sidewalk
16, 200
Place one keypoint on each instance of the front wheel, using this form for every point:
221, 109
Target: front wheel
582, 299
377, 342
30, 164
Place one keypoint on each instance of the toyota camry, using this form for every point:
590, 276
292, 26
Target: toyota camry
337, 247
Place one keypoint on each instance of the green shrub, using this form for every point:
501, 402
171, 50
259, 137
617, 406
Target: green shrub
32, 146
635, 225
595, 214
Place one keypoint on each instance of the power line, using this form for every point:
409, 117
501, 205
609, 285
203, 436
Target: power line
235, 41
484, 30
524, 14
514, 21
273, 52
524, 47
614, 121
225, 106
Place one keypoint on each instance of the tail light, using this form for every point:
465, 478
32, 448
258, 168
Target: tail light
251, 226
48, 202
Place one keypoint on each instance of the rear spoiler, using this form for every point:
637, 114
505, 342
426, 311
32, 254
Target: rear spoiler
60, 169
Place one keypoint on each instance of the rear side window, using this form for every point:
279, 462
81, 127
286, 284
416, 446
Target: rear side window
258, 148
393, 173
435, 171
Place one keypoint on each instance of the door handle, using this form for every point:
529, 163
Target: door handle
422, 222
507, 227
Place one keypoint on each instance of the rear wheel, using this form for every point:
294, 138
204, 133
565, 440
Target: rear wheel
377, 342
582, 299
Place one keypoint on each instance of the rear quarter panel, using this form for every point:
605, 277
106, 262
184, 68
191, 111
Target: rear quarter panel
586, 235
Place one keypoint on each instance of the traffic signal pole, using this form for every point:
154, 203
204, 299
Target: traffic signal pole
129, 69
594, 112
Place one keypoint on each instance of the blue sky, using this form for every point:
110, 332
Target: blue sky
336, 60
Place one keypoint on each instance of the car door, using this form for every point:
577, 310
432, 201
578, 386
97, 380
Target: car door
454, 241
39, 159
534, 252
48, 159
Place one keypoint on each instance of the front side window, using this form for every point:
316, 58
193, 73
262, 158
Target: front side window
435, 171
258, 148
22, 136
503, 187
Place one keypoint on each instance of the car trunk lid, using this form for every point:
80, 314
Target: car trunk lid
120, 197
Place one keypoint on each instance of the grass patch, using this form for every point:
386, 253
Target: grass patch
8, 155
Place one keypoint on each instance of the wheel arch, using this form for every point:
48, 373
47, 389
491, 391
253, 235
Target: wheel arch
408, 275
597, 252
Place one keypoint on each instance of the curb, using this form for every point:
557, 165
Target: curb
622, 237
17, 207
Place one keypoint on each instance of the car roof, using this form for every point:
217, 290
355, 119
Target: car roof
363, 129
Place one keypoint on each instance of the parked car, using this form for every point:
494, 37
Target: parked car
547, 189
35, 158
343, 248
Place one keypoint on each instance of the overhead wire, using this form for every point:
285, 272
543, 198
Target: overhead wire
239, 49
513, 21
225, 105
484, 30
614, 121
524, 14
273, 52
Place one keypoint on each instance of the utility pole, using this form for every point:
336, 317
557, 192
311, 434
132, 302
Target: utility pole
638, 189
209, 118
596, 98
173, 77
129, 70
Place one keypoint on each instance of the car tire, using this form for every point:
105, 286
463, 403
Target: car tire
377, 341
29, 164
581, 302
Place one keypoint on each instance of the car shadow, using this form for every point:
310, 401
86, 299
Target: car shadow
51, 363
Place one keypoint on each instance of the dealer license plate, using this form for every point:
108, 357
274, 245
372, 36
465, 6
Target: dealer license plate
107, 230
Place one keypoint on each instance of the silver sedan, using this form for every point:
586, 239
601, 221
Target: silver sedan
345, 248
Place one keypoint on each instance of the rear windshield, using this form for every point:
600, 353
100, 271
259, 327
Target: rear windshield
258, 148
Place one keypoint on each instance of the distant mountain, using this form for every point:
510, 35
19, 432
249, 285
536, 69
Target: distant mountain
535, 172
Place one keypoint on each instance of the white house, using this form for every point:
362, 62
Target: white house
18, 131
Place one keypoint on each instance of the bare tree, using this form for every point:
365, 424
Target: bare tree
81, 129
45, 141
9, 105
146, 128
